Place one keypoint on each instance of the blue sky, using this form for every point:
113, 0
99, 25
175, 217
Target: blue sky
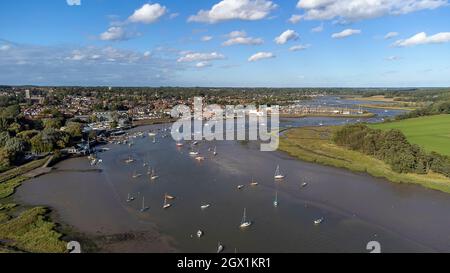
329, 43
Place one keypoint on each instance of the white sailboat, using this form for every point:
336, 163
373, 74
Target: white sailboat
136, 175
240, 187
254, 183
275, 202
144, 208
129, 160
278, 174
205, 206
215, 150
220, 248
130, 198
153, 175
318, 221
199, 233
244, 222
166, 205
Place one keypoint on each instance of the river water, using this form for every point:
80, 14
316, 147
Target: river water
355, 208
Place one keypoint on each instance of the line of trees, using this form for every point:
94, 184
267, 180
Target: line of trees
437, 108
393, 148
20, 136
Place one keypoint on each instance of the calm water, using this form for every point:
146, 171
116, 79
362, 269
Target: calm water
356, 208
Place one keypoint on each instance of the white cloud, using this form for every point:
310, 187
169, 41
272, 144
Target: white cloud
286, 36
115, 34
295, 18
345, 33
250, 10
392, 58
241, 38
73, 2
5, 47
148, 13
261, 56
299, 47
174, 15
203, 64
390, 35
206, 38
200, 57
317, 29
353, 10
422, 38
147, 54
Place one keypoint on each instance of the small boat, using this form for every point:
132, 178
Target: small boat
153, 175
275, 202
215, 151
199, 233
180, 144
205, 206
254, 183
154, 140
278, 174
170, 197
244, 222
129, 160
151, 134
318, 221
144, 208
136, 175
220, 248
166, 205
130, 198
200, 158
193, 153
240, 187
195, 143
304, 184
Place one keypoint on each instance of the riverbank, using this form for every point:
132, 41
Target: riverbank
314, 144
327, 115
23, 228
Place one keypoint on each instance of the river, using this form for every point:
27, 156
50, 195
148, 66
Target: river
355, 207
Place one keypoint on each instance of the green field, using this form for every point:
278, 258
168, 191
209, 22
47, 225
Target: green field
431, 132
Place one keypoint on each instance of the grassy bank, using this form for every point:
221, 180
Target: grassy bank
430, 132
314, 144
25, 229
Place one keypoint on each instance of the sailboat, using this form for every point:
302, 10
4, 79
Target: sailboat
130, 198
205, 206
240, 187
220, 247
318, 221
170, 197
253, 183
215, 150
166, 205
153, 175
244, 222
275, 202
179, 144
144, 208
129, 160
278, 174
199, 233
136, 175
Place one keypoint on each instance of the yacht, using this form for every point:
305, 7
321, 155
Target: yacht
199, 233
254, 183
275, 202
130, 198
220, 248
240, 187
278, 174
205, 206
144, 208
166, 205
318, 221
244, 222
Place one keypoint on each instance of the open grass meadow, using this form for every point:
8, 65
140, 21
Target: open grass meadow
430, 132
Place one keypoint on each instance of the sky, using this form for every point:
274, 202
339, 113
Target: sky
233, 43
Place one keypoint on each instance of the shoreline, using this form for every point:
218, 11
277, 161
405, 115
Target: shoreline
365, 115
313, 144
